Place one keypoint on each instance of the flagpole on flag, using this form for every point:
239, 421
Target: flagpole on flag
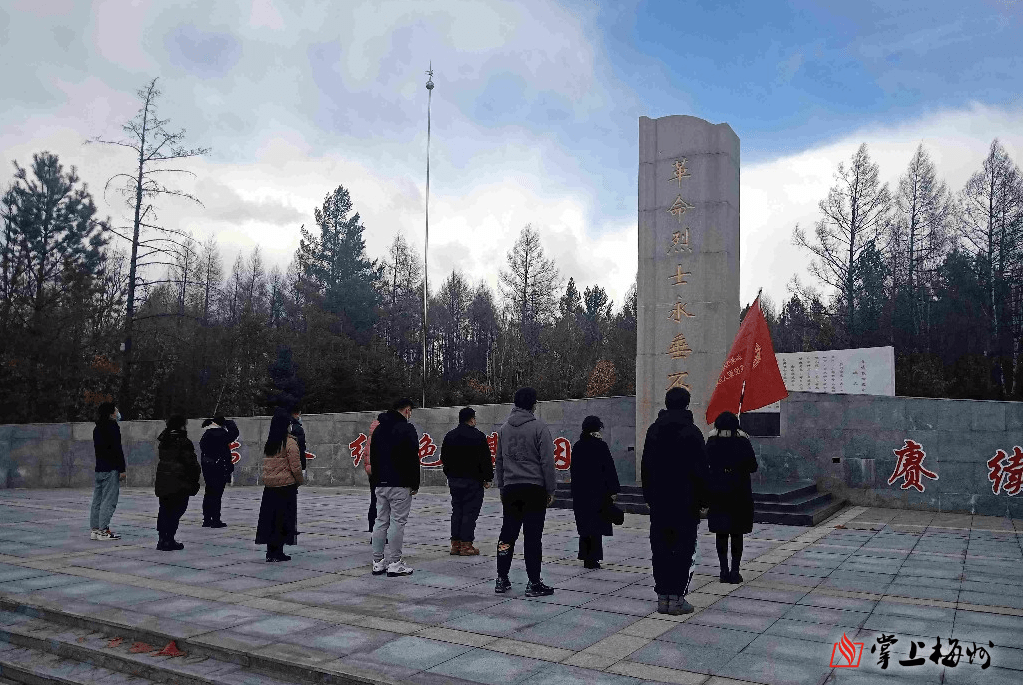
751, 365
742, 393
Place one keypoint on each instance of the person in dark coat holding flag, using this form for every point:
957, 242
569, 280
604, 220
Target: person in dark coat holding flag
177, 479
732, 460
594, 487
217, 467
674, 473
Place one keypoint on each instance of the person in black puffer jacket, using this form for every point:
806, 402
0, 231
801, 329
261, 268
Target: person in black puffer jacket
217, 467
395, 460
110, 470
177, 479
675, 474
469, 467
732, 460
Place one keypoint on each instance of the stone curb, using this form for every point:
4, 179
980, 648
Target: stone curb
300, 673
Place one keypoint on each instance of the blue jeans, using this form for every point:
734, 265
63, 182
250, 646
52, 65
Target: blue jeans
104, 499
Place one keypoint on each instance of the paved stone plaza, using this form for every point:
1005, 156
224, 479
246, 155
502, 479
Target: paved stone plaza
913, 575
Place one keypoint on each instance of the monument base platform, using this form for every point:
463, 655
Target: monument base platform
796, 503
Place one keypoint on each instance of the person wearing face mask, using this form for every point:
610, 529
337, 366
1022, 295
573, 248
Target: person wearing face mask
395, 458
110, 471
282, 474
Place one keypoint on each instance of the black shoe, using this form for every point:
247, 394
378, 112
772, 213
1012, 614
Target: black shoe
725, 577
217, 524
538, 589
272, 558
502, 585
207, 524
592, 565
735, 578
164, 546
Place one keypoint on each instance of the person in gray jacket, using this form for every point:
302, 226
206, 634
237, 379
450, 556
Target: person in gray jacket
524, 472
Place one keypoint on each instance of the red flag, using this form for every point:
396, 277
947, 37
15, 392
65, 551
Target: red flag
752, 360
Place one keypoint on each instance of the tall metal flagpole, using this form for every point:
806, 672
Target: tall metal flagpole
426, 243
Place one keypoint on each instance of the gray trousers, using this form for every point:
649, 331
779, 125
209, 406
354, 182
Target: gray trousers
393, 506
104, 499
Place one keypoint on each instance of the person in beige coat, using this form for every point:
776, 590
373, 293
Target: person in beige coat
282, 474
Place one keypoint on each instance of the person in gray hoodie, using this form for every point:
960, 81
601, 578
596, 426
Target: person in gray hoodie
524, 472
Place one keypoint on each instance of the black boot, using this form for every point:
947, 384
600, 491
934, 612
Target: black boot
722, 548
735, 577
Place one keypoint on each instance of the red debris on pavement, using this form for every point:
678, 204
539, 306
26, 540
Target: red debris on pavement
141, 648
116, 642
171, 650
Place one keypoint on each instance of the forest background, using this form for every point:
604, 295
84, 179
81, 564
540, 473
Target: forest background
149, 315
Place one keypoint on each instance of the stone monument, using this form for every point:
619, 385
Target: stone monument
688, 285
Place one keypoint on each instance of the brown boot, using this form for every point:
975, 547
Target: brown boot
456, 547
468, 550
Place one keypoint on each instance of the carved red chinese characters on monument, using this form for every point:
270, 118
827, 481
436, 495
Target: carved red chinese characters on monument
235, 454
1006, 471
427, 449
562, 454
910, 466
357, 448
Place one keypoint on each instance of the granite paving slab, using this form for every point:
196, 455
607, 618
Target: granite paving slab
805, 588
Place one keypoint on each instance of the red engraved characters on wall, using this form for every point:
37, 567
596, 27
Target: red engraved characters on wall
910, 466
235, 454
492, 444
427, 448
358, 448
1006, 471
562, 454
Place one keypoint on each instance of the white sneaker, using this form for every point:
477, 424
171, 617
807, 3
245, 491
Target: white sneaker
94, 535
399, 568
379, 568
107, 535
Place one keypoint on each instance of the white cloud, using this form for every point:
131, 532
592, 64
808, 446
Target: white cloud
282, 140
778, 194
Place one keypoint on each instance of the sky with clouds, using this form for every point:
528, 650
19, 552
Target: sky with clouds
534, 115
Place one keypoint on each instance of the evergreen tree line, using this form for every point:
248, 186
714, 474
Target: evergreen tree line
146, 315
336, 330
935, 273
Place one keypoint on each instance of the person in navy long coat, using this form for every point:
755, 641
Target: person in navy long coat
732, 460
594, 487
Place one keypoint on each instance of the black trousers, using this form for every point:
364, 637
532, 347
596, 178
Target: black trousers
673, 552
171, 511
211, 500
591, 548
525, 508
466, 502
372, 506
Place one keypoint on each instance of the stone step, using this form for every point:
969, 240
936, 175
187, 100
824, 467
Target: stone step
27, 666
800, 518
83, 642
36, 650
802, 503
777, 492
794, 503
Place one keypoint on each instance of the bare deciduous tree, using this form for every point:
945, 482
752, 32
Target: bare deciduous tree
854, 215
152, 146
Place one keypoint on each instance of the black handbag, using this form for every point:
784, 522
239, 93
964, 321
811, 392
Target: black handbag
611, 513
